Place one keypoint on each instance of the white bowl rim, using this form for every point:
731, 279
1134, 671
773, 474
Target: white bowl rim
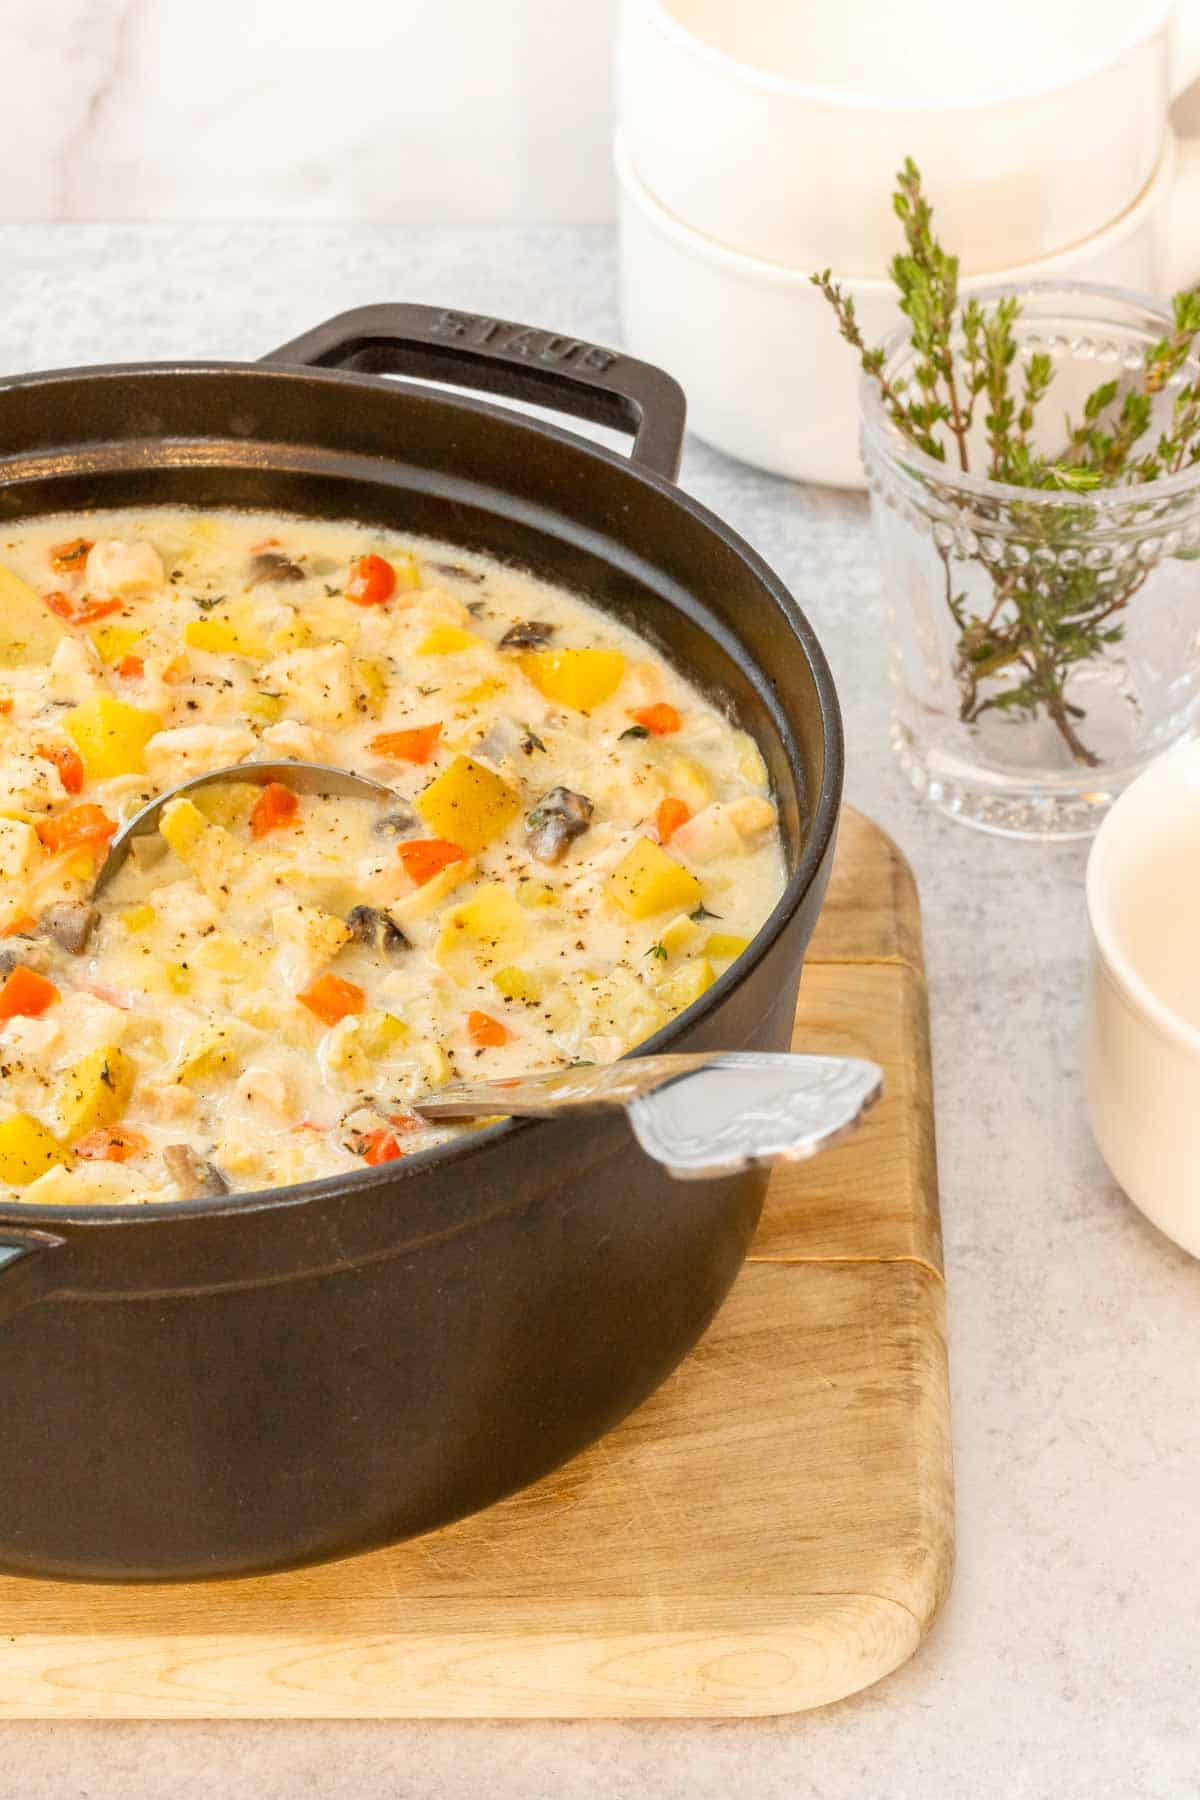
838, 99
755, 268
1104, 936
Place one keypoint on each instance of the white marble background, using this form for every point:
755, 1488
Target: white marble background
403, 110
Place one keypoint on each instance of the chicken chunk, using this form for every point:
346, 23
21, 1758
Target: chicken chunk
186, 750
308, 939
73, 669
29, 783
304, 743
117, 568
318, 683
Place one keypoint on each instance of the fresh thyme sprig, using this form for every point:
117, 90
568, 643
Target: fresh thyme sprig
1053, 613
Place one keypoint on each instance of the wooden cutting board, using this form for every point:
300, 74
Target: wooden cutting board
772, 1530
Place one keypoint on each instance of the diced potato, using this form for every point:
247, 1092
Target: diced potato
381, 1032
79, 867
518, 984
620, 1007
208, 850
294, 634
648, 881
85, 1184
436, 1064
20, 849
94, 1091
29, 631
350, 1047
447, 640
372, 678
223, 954
581, 679
315, 935
536, 894
292, 1025
482, 690
688, 781
183, 825
214, 1049
332, 890
228, 630
27, 1150
689, 981
266, 708
751, 766
679, 935
469, 804
408, 570
489, 924
228, 803
110, 736
724, 946
117, 641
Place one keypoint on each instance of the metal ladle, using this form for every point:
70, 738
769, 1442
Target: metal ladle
302, 777
699, 1115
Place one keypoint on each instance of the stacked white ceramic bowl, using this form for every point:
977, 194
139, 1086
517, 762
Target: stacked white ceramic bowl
759, 141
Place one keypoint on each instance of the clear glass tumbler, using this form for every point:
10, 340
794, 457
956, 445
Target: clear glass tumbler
1038, 743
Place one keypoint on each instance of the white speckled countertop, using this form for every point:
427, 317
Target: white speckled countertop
1065, 1663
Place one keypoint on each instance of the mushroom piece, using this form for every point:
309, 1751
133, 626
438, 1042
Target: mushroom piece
376, 929
400, 822
558, 818
195, 1178
23, 952
70, 924
458, 572
527, 634
269, 565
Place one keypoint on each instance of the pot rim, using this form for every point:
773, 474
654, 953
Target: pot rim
823, 806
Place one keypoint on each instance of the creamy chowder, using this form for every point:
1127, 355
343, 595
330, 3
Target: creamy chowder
578, 843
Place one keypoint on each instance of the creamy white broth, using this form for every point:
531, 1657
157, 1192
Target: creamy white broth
579, 845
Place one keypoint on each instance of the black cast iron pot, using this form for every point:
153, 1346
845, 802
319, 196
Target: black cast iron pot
214, 1387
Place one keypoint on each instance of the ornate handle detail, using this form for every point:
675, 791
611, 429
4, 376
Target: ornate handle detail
698, 1115
497, 356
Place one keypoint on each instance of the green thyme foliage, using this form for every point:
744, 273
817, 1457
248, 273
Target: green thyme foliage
1054, 612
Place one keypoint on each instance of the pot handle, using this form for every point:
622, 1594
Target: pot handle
26, 1268
497, 357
